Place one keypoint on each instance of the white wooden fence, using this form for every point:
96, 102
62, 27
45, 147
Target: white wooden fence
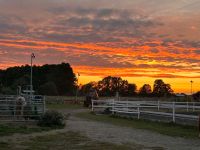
173, 110
11, 111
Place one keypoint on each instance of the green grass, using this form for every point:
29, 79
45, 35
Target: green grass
69, 141
5, 145
75, 141
6, 130
170, 129
63, 99
64, 106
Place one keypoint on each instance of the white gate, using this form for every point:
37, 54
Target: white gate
11, 110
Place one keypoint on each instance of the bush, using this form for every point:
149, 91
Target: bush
52, 119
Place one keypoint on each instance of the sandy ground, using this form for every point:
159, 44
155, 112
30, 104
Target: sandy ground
115, 134
105, 132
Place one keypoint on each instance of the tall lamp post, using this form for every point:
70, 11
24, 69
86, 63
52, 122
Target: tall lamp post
78, 75
191, 86
31, 80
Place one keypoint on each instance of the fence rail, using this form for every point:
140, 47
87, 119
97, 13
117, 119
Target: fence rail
174, 111
11, 110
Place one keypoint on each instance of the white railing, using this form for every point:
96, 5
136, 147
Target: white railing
174, 110
11, 110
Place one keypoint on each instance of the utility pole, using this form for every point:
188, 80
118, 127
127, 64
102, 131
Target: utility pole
76, 100
31, 79
191, 87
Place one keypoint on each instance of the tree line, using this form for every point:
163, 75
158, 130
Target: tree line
109, 86
56, 79
59, 79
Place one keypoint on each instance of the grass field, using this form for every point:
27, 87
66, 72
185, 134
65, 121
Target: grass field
64, 106
69, 141
62, 99
9, 129
73, 141
170, 129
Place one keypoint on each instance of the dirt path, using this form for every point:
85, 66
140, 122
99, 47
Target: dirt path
110, 133
115, 134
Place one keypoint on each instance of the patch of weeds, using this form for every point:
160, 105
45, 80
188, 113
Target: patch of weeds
52, 119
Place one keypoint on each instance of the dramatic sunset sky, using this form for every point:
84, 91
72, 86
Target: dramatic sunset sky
139, 40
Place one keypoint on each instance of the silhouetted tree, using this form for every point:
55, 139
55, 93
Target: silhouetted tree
131, 90
145, 90
61, 75
110, 85
162, 89
48, 88
196, 96
86, 88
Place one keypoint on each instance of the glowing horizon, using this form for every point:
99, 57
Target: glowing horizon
138, 40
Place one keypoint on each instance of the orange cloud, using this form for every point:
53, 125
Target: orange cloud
120, 40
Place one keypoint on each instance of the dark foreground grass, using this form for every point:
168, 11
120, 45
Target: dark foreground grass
170, 129
76, 141
64, 106
69, 141
5, 145
6, 130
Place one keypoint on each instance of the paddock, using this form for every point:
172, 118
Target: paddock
186, 113
11, 110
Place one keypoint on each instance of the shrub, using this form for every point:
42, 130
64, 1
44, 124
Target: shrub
52, 119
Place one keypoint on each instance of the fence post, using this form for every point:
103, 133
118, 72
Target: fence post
44, 104
193, 108
158, 105
127, 106
187, 107
174, 112
92, 105
138, 110
113, 106
14, 109
199, 125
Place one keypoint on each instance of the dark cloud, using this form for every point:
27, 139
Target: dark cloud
79, 38
197, 51
94, 25
103, 61
154, 50
195, 44
57, 10
80, 25
172, 51
152, 44
106, 13
110, 24
11, 25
